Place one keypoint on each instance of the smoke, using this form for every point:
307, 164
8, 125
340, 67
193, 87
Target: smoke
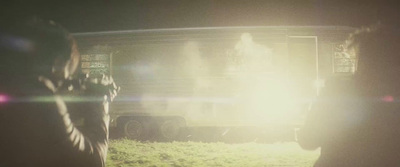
195, 74
181, 79
261, 91
246, 93
254, 58
193, 64
174, 82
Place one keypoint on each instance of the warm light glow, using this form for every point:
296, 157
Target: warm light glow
241, 84
268, 101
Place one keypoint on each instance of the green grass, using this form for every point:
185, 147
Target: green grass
132, 153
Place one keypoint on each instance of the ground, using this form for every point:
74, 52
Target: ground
125, 152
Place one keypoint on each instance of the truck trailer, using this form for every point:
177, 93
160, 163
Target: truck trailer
172, 79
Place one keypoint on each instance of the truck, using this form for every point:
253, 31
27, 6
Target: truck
172, 79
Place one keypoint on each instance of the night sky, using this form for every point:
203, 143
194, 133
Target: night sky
107, 15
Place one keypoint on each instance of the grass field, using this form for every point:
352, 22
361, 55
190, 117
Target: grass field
126, 153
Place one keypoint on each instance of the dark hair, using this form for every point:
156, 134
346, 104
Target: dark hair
377, 50
31, 48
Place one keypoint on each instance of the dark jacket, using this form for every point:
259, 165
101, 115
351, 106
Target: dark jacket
354, 126
37, 130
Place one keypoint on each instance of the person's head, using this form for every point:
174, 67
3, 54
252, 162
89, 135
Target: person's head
377, 50
38, 47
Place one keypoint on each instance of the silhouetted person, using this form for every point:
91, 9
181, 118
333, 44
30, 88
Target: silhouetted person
356, 122
37, 60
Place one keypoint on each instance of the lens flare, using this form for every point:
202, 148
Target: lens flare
4, 98
388, 98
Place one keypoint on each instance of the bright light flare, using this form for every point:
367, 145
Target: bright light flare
270, 101
388, 98
4, 98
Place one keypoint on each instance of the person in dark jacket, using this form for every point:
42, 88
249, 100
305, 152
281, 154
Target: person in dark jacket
356, 122
38, 59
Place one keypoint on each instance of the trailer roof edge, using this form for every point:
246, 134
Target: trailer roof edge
210, 28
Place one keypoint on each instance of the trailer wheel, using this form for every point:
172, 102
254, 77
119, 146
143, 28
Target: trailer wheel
170, 129
136, 129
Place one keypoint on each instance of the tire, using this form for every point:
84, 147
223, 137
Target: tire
170, 130
136, 129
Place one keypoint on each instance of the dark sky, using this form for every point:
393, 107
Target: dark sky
106, 15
